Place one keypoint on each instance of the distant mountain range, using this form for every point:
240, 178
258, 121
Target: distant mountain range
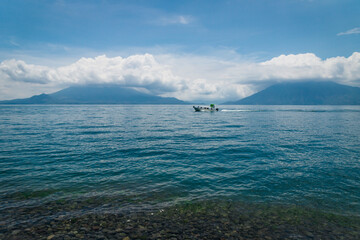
96, 94
298, 93
304, 93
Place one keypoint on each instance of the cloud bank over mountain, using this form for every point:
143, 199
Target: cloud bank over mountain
186, 77
134, 71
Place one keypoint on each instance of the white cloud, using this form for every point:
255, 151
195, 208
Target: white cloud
175, 20
134, 71
187, 77
291, 60
309, 66
351, 31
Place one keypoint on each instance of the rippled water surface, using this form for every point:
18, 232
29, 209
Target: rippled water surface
139, 156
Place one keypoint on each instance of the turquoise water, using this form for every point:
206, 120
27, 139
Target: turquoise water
145, 156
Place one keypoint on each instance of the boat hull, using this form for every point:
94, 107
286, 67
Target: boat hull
205, 109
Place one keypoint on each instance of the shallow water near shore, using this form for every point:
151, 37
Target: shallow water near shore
243, 172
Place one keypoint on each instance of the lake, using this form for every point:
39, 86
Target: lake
245, 171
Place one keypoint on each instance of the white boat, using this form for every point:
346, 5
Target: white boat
212, 108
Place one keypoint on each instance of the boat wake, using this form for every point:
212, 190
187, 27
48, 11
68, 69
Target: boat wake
236, 110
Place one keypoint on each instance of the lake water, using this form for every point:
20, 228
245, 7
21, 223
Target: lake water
66, 161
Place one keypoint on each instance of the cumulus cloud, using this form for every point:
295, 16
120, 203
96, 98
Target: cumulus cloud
134, 71
309, 66
186, 77
351, 31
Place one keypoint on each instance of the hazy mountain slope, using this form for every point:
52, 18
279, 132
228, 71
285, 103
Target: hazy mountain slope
96, 94
304, 93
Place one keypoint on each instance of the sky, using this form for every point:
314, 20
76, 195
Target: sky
208, 50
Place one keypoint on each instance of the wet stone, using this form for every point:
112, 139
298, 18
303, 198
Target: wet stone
16, 232
50, 237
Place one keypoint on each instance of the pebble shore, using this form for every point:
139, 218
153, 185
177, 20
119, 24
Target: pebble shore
201, 220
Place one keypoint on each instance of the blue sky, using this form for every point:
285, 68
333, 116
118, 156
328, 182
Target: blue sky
59, 33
